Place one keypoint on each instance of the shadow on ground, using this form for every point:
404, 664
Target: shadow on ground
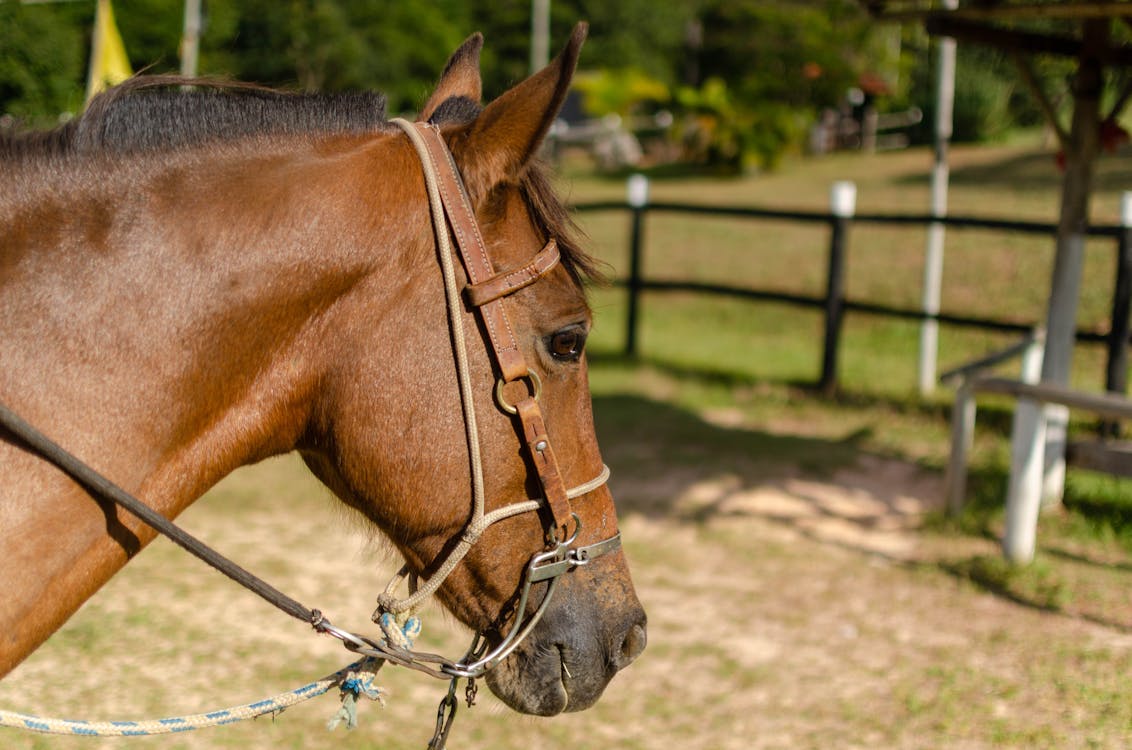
1037, 171
671, 463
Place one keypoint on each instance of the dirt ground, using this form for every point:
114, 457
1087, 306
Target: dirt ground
787, 612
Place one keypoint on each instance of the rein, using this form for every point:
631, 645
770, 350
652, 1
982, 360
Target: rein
450, 208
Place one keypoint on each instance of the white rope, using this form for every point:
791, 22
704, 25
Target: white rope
456, 321
361, 672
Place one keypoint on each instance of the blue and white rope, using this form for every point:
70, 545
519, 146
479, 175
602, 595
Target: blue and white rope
354, 680
271, 705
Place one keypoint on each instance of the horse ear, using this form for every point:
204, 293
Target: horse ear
497, 147
460, 79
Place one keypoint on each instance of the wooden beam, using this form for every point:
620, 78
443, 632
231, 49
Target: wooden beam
1026, 42
1111, 458
913, 11
1101, 404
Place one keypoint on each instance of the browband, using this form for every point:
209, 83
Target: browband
504, 284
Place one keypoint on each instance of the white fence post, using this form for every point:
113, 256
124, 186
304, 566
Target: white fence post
933, 252
1027, 443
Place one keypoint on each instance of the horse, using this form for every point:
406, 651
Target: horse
198, 278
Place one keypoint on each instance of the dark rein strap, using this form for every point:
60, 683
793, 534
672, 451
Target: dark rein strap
102, 488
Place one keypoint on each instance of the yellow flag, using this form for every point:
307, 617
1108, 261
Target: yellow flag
109, 65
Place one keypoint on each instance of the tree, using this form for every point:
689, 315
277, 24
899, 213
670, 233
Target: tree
42, 60
804, 55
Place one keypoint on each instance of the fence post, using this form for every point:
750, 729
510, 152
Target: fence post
962, 438
842, 206
1027, 442
638, 194
933, 251
1117, 369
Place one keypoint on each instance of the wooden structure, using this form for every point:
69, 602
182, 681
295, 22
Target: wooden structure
1090, 32
834, 300
1023, 491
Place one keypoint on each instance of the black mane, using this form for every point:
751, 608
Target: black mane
157, 113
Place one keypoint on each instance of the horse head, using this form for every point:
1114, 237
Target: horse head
389, 434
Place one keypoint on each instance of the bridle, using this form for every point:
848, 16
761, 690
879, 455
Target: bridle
485, 293
486, 290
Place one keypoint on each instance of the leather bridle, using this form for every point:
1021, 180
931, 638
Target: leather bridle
453, 217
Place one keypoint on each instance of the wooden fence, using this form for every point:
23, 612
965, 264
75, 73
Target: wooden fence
834, 302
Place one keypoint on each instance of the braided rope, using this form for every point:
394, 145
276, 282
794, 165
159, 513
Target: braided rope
354, 681
168, 725
388, 601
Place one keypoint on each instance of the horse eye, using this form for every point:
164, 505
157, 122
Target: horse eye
566, 345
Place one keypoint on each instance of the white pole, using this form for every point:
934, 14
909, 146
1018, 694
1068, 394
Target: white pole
190, 39
1027, 443
540, 34
637, 189
843, 199
1082, 148
933, 253
1061, 331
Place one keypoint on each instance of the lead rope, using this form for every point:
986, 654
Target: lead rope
355, 680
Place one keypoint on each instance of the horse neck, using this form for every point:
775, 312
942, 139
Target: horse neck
189, 322
167, 333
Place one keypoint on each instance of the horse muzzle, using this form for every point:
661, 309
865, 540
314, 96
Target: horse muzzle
593, 628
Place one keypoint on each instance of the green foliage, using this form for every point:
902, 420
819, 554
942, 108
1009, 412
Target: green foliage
332, 45
981, 111
645, 35
42, 61
719, 131
988, 102
779, 64
618, 91
755, 70
799, 55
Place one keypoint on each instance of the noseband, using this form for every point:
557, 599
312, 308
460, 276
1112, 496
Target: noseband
486, 290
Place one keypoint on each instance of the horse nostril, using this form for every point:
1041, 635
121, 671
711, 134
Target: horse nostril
631, 645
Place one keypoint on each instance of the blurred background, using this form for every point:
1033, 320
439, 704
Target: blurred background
730, 83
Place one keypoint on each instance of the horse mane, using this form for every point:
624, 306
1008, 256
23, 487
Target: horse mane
155, 114
166, 113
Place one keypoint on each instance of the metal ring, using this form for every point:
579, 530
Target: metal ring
536, 391
560, 545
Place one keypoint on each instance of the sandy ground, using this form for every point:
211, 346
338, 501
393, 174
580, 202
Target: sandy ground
790, 612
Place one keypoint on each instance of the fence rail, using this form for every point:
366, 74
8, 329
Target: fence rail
834, 301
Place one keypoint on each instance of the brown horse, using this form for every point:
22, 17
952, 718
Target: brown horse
195, 280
